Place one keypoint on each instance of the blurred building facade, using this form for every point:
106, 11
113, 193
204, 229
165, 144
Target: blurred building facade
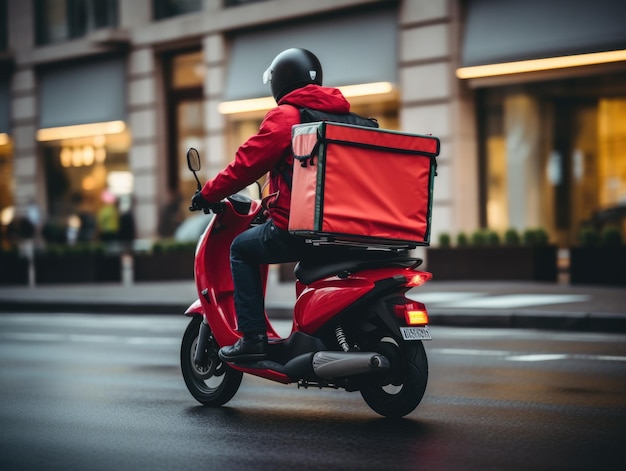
108, 95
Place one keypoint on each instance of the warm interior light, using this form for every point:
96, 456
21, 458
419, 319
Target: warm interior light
4, 139
7, 215
243, 106
66, 157
366, 89
266, 103
535, 65
80, 130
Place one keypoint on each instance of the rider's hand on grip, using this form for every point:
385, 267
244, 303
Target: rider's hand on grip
199, 203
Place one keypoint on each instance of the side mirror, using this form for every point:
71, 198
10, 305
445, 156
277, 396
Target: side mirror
194, 164
193, 160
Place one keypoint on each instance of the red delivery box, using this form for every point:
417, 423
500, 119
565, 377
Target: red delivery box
357, 185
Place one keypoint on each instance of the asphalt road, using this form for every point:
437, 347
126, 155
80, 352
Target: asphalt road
98, 392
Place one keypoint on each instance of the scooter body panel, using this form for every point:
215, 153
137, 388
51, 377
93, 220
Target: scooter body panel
213, 277
319, 302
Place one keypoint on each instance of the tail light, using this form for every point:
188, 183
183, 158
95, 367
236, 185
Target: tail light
417, 279
414, 313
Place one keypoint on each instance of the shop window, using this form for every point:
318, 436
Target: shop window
185, 118
82, 175
553, 155
168, 8
58, 20
7, 210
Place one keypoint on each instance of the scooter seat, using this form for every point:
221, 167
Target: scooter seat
308, 271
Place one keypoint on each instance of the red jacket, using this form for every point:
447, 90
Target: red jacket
271, 146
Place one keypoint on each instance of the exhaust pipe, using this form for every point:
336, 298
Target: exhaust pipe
337, 364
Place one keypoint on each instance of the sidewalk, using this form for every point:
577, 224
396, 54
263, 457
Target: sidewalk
468, 304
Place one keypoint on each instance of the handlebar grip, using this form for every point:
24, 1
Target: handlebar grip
213, 208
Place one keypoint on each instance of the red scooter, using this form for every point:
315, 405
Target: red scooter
353, 327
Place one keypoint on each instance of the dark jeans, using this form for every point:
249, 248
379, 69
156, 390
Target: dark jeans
263, 244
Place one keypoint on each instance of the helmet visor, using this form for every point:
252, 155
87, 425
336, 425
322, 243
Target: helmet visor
267, 75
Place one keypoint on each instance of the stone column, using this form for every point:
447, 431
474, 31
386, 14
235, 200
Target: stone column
144, 152
428, 102
214, 122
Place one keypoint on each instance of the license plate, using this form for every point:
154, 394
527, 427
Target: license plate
415, 333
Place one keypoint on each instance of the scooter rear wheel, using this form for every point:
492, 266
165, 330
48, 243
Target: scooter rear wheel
213, 384
400, 392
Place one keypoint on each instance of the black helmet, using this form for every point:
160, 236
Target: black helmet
291, 69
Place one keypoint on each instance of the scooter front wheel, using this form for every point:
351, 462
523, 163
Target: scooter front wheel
401, 391
213, 384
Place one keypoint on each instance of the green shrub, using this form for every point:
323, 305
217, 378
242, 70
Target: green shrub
169, 246
445, 240
512, 237
479, 238
492, 238
535, 237
62, 250
462, 240
611, 237
588, 237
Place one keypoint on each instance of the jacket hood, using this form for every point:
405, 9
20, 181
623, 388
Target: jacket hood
316, 97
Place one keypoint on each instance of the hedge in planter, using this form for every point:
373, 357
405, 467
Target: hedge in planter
167, 261
78, 264
13, 268
484, 257
601, 258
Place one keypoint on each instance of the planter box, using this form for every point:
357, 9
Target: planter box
493, 263
77, 268
598, 265
13, 269
164, 266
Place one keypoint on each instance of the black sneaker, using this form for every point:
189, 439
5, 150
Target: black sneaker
249, 348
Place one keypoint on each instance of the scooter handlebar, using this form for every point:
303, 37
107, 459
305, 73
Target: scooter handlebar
212, 208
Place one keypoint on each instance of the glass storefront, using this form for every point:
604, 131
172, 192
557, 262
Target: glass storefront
7, 210
554, 154
84, 175
185, 84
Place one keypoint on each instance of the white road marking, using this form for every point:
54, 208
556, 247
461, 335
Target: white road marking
83, 338
470, 352
482, 301
545, 357
443, 297
532, 357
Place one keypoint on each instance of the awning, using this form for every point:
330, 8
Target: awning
355, 49
499, 31
87, 92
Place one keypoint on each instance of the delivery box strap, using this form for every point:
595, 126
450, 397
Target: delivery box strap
308, 159
394, 150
